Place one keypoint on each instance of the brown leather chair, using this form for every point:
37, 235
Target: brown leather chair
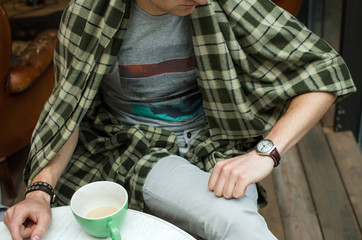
25, 85
292, 6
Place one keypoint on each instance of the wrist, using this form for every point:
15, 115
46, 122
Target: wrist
266, 147
265, 160
38, 195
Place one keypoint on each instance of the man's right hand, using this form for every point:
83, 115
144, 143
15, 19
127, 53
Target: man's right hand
29, 218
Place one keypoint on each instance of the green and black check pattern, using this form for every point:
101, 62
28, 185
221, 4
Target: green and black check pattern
252, 58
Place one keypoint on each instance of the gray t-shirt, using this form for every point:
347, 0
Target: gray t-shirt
154, 81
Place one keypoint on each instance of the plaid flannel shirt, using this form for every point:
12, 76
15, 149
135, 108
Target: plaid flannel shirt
251, 59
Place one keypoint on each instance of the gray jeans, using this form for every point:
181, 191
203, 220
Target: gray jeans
177, 191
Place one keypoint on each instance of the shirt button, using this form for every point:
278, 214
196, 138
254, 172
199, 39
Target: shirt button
189, 134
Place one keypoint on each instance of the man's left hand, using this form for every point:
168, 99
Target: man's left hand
232, 176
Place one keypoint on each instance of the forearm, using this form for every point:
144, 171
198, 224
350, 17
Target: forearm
31, 217
231, 177
54, 169
303, 113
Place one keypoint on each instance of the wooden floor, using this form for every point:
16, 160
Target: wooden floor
316, 192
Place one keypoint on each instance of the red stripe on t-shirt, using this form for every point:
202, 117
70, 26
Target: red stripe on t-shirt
149, 70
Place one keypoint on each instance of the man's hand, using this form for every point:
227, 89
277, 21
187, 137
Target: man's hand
29, 218
231, 177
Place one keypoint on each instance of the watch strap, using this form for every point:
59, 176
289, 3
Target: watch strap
274, 154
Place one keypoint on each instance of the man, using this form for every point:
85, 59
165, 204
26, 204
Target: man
170, 98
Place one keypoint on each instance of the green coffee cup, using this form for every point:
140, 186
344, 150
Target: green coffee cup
100, 208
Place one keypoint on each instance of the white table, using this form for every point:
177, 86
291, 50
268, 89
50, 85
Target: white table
137, 226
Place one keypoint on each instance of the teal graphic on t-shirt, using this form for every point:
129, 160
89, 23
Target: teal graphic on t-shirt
177, 112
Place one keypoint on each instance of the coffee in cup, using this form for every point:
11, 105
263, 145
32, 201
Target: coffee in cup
101, 212
100, 208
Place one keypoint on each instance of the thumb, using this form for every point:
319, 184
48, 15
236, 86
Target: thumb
41, 228
35, 237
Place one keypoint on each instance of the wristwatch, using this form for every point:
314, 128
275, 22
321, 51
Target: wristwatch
267, 148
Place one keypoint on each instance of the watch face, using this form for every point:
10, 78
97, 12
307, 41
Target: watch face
264, 146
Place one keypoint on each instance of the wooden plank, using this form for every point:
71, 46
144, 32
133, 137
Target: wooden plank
296, 206
328, 193
348, 158
271, 212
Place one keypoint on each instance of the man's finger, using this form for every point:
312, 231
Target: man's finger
240, 189
229, 187
14, 222
215, 174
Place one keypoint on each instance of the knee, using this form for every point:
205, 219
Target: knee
236, 219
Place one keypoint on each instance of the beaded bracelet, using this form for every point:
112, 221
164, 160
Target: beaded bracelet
42, 186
